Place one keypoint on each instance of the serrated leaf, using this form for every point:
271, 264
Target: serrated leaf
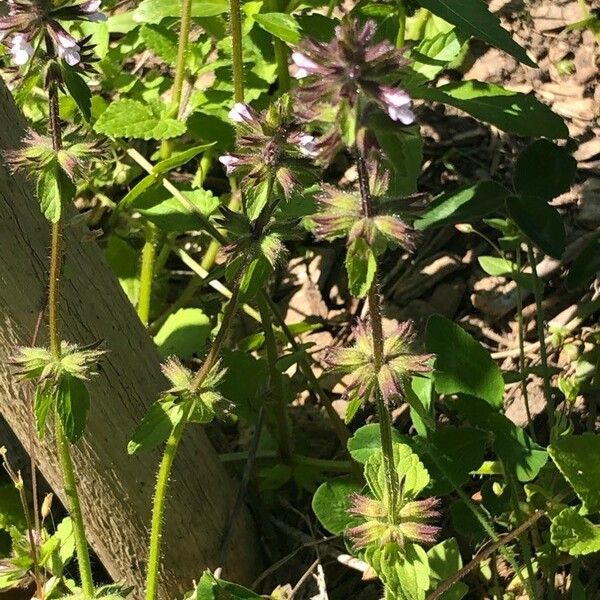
572, 533
366, 441
474, 18
510, 111
156, 426
162, 41
131, 118
72, 405
462, 364
576, 457
464, 205
331, 502
54, 189
211, 588
361, 266
43, 401
540, 222
184, 333
544, 170
153, 11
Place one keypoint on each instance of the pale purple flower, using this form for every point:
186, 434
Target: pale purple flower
308, 145
241, 113
229, 162
398, 104
92, 13
304, 66
70, 55
21, 50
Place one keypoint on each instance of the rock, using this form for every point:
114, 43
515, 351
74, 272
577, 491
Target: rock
589, 204
494, 296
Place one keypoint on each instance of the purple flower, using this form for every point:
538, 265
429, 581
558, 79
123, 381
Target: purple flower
304, 66
308, 145
90, 9
400, 361
242, 113
231, 163
398, 104
20, 49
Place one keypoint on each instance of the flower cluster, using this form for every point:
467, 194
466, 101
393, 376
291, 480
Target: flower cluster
409, 524
37, 154
28, 22
270, 144
352, 65
37, 363
341, 214
207, 400
399, 362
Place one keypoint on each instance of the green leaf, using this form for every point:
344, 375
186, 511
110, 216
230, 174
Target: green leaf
72, 405
462, 364
572, 533
54, 190
131, 118
153, 11
361, 266
576, 457
544, 170
466, 204
184, 333
404, 150
510, 111
179, 158
170, 214
331, 502
156, 426
281, 25
496, 266
586, 265
444, 561
210, 588
367, 441
540, 222
43, 401
162, 41
431, 56
78, 90
457, 452
474, 18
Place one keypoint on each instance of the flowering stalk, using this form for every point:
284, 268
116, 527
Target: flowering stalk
235, 24
62, 443
152, 235
373, 299
176, 435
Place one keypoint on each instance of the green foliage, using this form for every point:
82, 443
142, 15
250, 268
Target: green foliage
128, 118
331, 503
361, 266
574, 534
156, 426
474, 18
184, 333
576, 458
281, 25
462, 364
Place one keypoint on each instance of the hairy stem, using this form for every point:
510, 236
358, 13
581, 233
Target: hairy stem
64, 451
147, 272
401, 37
374, 302
284, 433
182, 52
540, 319
235, 24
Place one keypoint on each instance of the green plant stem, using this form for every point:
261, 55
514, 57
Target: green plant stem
281, 53
174, 439
182, 52
166, 464
70, 483
539, 318
284, 433
374, 302
235, 24
64, 452
147, 272
521, 334
401, 37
